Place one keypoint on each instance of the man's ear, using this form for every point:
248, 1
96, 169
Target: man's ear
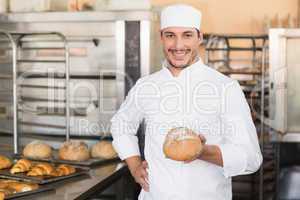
200, 37
161, 34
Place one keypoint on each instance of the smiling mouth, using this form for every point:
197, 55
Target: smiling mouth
179, 54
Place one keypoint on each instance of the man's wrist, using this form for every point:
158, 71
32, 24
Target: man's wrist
133, 163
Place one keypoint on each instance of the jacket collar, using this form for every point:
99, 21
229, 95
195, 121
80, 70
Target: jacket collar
198, 64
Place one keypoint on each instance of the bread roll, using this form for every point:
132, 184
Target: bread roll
22, 165
103, 149
5, 162
37, 150
182, 144
74, 151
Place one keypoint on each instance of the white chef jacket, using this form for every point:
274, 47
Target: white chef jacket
203, 100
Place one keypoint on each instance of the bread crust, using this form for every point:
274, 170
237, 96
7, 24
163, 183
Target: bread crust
74, 151
37, 150
182, 144
103, 149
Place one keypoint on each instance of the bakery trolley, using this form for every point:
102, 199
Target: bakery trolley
22, 43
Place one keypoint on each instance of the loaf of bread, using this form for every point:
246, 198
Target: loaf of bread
5, 162
37, 150
182, 144
22, 165
74, 151
64, 170
103, 149
41, 169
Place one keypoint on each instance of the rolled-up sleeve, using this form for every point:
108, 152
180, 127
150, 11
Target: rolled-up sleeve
240, 149
124, 126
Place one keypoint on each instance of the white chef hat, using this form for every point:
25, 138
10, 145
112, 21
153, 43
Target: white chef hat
180, 15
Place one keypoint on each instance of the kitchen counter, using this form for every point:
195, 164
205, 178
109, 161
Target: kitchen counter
79, 188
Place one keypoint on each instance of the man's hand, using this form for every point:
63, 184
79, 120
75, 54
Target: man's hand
203, 141
141, 175
209, 153
138, 170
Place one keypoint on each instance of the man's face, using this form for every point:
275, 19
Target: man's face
180, 45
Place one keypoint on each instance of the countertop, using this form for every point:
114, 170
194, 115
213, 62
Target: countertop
81, 187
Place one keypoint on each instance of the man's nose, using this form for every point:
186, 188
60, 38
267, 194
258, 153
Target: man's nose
179, 43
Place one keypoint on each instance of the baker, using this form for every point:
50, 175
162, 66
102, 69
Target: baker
186, 93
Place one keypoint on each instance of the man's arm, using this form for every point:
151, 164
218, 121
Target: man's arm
124, 127
138, 170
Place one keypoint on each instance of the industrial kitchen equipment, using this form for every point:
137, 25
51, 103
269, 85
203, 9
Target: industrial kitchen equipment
108, 52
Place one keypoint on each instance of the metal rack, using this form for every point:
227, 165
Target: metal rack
13, 46
223, 53
19, 43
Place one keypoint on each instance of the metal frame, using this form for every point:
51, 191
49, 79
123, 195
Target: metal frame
212, 45
278, 65
14, 77
120, 48
17, 47
262, 118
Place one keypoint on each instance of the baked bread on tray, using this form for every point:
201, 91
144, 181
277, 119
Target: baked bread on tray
41, 169
73, 150
63, 170
103, 149
9, 187
5, 162
37, 150
22, 165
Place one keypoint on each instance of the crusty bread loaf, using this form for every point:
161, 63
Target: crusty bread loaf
37, 150
103, 149
22, 165
74, 151
182, 144
41, 169
5, 162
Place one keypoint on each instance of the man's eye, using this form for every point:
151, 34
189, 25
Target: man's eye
169, 36
188, 35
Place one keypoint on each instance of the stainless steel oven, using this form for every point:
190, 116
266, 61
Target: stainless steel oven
108, 52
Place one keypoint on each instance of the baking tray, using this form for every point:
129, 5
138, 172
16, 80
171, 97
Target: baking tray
92, 162
42, 188
40, 179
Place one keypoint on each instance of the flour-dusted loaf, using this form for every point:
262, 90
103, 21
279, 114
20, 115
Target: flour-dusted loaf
74, 151
182, 144
103, 149
37, 150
